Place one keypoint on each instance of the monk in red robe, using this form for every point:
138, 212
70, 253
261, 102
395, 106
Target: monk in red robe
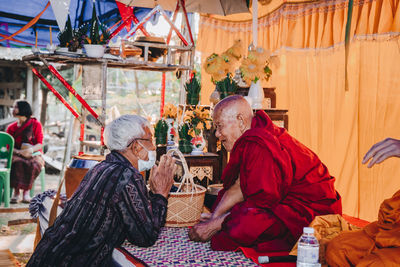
273, 185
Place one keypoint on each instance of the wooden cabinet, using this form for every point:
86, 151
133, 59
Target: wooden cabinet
204, 168
278, 116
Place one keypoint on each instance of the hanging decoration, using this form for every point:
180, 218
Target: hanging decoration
27, 26
126, 14
60, 10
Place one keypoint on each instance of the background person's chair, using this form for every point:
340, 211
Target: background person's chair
6, 152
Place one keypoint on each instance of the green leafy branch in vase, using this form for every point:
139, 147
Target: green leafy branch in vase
160, 132
193, 88
66, 35
184, 138
98, 32
226, 87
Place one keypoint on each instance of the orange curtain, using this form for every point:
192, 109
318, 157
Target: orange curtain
339, 125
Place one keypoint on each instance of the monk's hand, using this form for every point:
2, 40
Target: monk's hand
387, 148
205, 217
162, 176
204, 231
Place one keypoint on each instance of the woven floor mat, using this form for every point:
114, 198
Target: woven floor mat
173, 248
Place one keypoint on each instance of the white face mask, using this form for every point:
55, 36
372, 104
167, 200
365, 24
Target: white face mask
144, 165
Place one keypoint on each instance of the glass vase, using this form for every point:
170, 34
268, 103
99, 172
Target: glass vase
256, 93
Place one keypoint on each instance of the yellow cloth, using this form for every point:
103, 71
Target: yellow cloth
309, 76
326, 228
377, 244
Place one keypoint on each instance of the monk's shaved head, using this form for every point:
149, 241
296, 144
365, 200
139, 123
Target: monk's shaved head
232, 117
233, 106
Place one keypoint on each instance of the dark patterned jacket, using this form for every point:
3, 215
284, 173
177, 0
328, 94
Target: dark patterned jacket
110, 205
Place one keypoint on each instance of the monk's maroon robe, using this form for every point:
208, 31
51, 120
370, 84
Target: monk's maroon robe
284, 185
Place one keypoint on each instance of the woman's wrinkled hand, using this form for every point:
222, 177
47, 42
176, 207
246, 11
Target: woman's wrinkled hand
162, 176
26, 153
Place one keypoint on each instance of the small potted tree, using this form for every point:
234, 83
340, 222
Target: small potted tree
98, 37
71, 40
185, 145
192, 88
160, 133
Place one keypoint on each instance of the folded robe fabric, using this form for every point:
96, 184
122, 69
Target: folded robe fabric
326, 228
377, 244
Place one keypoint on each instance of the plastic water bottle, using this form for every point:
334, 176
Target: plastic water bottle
308, 249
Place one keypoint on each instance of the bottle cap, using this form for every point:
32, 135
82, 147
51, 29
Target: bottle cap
263, 259
308, 230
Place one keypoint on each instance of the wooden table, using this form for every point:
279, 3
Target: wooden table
205, 168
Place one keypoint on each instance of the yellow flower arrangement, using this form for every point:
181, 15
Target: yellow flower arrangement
255, 66
170, 111
220, 66
198, 119
235, 50
217, 67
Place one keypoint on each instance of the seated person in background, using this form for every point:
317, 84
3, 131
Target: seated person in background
112, 202
273, 185
28, 138
377, 244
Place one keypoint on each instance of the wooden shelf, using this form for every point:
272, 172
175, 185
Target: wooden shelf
111, 61
95, 89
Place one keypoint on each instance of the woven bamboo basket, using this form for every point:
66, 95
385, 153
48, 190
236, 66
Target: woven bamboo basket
186, 204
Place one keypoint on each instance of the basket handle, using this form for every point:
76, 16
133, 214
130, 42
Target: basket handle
187, 176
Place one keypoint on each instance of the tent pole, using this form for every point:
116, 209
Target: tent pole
255, 22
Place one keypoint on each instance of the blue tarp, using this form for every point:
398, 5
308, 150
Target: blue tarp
14, 14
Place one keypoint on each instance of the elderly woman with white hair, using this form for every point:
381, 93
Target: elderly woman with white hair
112, 202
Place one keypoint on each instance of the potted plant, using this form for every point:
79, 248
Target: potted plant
221, 67
193, 90
160, 132
253, 68
197, 119
98, 37
184, 139
170, 113
65, 36
226, 87
72, 39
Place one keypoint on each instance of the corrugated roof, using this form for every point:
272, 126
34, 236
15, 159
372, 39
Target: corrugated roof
13, 54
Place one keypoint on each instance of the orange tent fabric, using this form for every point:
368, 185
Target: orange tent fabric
307, 38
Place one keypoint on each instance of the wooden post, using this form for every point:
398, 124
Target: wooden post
35, 97
43, 109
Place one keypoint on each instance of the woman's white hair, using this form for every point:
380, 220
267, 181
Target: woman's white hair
121, 131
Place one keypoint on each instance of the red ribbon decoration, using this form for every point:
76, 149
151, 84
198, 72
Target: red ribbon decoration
72, 90
82, 137
162, 94
57, 94
102, 136
126, 12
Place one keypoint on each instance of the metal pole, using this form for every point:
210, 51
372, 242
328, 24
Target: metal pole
255, 22
67, 151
